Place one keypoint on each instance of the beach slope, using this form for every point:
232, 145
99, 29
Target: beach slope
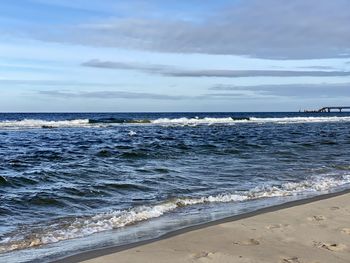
309, 233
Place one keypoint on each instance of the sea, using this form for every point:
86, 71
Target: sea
73, 182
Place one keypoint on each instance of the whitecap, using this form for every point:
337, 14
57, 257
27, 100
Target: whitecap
37, 123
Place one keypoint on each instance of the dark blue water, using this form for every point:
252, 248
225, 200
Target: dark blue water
75, 181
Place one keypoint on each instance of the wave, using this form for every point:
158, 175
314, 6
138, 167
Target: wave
300, 119
232, 120
38, 123
206, 120
64, 229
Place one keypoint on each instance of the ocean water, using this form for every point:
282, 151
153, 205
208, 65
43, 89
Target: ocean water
71, 182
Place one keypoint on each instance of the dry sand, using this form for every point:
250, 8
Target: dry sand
307, 233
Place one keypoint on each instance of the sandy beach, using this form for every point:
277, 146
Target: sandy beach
310, 232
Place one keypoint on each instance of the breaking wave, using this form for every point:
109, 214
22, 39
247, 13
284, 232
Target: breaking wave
206, 120
230, 120
38, 123
70, 228
300, 119
35, 123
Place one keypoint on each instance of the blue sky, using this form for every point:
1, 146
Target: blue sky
138, 55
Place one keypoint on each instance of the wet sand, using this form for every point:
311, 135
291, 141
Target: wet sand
315, 230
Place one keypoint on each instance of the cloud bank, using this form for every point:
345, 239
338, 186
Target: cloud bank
274, 29
220, 92
323, 90
170, 71
109, 95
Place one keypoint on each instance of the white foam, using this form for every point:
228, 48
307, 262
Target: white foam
85, 226
313, 184
37, 123
300, 119
132, 133
189, 121
229, 120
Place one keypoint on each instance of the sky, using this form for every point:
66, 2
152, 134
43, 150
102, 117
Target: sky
174, 55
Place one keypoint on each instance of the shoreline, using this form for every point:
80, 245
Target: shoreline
101, 252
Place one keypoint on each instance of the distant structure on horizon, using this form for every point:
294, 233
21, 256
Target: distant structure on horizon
329, 109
